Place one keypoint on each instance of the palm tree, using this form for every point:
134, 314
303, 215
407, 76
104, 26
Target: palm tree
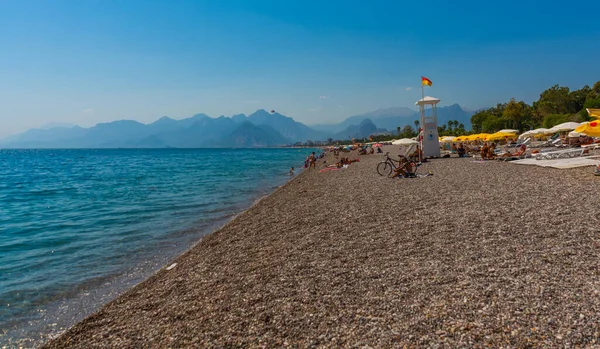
417, 123
398, 130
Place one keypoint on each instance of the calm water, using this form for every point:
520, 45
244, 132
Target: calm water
77, 227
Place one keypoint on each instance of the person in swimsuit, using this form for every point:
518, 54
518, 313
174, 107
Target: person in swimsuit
312, 160
404, 168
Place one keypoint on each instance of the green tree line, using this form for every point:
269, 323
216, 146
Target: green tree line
556, 105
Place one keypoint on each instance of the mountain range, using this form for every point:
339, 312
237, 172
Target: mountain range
260, 129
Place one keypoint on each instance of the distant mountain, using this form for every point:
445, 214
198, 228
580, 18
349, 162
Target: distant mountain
364, 129
259, 129
239, 117
198, 131
392, 118
286, 126
251, 135
389, 119
455, 112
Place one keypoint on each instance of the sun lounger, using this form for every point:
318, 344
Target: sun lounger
570, 153
526, 154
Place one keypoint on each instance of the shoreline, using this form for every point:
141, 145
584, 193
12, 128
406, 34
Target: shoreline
89, 298
346, 258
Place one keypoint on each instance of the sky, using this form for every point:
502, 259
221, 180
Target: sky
84, 61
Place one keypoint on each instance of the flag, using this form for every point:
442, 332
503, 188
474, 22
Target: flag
425, 81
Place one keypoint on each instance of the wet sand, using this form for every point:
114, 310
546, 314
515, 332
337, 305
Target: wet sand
480, 253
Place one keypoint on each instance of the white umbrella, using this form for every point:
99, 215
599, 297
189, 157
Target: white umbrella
537, 131
507, 130
565, 126
448, 139
404, 141
574, 134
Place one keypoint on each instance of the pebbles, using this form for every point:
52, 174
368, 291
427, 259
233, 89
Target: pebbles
479, 254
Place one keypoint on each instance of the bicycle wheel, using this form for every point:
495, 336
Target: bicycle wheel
384, 169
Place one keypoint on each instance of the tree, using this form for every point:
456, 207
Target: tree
398, 130
417, 123
512, 114
596, 88
407, 132
554, 119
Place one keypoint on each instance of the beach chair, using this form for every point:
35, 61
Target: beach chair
526, 154
551, 142
562, 154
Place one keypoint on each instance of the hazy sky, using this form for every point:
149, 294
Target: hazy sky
85, 62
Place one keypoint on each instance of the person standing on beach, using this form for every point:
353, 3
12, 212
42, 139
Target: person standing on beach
313, 160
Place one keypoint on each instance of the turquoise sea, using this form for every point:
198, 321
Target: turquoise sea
78, 227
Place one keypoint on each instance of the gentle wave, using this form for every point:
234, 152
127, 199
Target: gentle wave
79, 226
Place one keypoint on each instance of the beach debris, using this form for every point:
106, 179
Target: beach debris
171, 266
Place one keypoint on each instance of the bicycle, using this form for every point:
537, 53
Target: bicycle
386, 167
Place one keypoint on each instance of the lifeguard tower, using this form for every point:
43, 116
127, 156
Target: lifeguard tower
430, 143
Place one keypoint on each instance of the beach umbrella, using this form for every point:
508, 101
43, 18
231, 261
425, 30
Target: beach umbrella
591, 128
530, 133
478, 137
377, 145
565, 126
506, 130
448, 139
574, 134
594, 113
404, 141
499, 136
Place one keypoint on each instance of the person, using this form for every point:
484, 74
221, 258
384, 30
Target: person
379, 151
292, 171
312, 160
519, 153
597, 172
461, 150
371, 151
404, 168
484, 151
491, 153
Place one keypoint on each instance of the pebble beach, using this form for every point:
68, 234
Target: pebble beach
482, 253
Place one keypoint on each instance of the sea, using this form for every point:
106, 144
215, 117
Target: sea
78, 227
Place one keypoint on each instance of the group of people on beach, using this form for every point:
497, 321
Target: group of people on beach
486, 151
311, 160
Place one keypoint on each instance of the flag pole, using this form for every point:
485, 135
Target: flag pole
422, 109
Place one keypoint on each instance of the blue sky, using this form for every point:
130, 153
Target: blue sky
86, 61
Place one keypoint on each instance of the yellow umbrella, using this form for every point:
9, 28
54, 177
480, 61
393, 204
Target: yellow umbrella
591, 128
595, 113
479, 136
500, 135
